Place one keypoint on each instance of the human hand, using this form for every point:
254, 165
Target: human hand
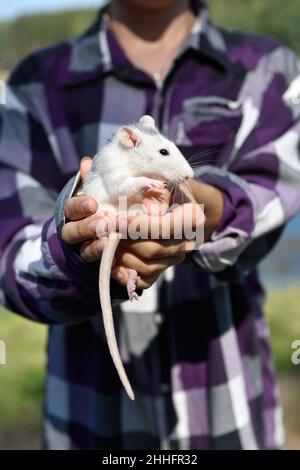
162, 241
148, 257
81, 230
81, 226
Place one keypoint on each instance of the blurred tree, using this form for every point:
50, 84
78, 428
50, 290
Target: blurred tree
270, 17
27, 33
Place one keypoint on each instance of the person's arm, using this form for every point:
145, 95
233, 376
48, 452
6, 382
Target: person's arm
261, 185
40, 277
213, 204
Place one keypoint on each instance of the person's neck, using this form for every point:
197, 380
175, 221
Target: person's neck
150, 24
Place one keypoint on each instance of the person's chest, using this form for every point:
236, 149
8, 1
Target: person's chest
196, 106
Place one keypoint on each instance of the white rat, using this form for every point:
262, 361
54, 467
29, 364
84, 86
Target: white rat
136, 158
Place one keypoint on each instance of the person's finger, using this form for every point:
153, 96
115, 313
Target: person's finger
92, 251
120, 274
85, 166
152, 249
79, 207
146, 267
146, 282
80, 231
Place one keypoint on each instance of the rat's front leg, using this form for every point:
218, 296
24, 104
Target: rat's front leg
137, 184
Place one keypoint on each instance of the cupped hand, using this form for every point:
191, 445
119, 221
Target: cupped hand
149, 257
166, 239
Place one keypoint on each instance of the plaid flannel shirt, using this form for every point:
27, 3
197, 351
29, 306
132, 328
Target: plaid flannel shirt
196, 346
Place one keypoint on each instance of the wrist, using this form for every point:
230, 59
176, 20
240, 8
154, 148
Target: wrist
212, 199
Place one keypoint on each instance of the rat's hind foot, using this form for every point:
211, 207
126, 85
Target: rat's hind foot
133, 296
131, 284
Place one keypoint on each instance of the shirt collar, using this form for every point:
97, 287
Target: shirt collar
205, 38
97, 52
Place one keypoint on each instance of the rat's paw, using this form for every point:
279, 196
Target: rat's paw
131, 284
150, 183
133, 296
139, 183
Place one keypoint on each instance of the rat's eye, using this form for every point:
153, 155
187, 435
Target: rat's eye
164, 152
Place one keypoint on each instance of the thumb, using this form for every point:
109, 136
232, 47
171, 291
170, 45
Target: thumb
85, 166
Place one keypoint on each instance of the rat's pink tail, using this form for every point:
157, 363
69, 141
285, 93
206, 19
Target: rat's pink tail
104, 290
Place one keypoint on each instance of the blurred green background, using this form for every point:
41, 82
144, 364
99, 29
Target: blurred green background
21, 380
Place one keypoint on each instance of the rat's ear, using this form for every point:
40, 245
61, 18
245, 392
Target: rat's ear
128, 137
147, 121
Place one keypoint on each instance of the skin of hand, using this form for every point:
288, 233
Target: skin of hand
148, 257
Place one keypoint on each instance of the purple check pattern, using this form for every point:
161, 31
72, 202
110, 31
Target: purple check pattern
196, 347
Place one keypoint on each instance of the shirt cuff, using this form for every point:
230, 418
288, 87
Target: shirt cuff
233, 233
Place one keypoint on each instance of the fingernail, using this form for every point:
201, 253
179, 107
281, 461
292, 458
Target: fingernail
117, 276
93, 226
101, 228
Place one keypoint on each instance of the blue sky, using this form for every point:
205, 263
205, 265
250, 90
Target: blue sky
11, 8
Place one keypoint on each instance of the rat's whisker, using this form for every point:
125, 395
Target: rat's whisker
175, 195
201, 161
202, 155
199, 164
208, 151
188, 186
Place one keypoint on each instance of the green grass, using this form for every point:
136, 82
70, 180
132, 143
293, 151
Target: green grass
283, 313
3, 75
261, 16
22, 378
28, 33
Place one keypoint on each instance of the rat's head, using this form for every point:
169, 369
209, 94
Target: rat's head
149, 153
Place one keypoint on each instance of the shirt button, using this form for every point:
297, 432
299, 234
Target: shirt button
159, 318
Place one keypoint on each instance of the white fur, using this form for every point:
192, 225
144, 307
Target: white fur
115, 163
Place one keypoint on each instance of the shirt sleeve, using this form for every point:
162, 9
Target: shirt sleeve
40, 276
260, 183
